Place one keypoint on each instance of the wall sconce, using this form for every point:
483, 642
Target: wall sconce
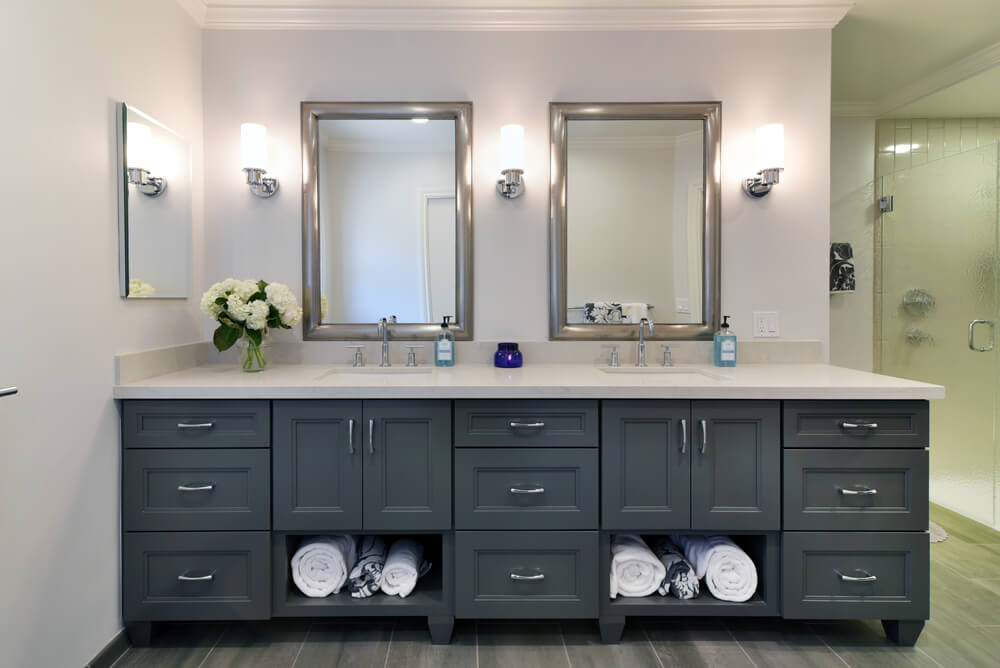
139, 151
253, 151
770, 160
512, 158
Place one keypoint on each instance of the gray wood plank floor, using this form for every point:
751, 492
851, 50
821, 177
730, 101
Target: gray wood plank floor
964, 630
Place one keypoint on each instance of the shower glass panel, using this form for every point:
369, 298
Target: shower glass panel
938, 250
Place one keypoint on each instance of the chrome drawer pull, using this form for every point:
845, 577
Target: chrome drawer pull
862, 491
196, 487
704, 435
867, 577
350, 436
184, 577
533, 490
858, 425
8, 391
684, 435
517, 577
195, 425
371, 436
527, 425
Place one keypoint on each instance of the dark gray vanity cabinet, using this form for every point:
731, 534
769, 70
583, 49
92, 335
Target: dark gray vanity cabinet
346, 465
317, 465
706, 465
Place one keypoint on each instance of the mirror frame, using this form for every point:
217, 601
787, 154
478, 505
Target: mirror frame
313, 329
559, 114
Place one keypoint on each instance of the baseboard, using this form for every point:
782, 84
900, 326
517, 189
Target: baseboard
113, 651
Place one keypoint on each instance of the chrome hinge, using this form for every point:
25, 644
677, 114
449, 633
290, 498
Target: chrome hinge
885, 204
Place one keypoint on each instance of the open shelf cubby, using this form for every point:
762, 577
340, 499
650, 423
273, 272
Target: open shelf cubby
431, 597
763, 549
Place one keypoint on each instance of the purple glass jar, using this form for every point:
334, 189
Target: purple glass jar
507, 356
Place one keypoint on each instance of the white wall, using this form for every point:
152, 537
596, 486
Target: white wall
852, 219
774, 250
65, 63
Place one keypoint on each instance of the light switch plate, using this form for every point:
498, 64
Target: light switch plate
683, 305
765, 324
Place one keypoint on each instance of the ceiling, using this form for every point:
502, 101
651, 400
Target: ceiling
889, 53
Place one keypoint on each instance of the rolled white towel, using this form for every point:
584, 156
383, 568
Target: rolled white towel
729, 573
403, 567
322, 563
635, 570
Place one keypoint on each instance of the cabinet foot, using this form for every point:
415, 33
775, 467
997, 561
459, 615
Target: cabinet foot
903, 632
611, 629
140, 634
440, 628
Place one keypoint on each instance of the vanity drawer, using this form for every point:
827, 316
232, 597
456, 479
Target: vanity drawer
170, 423
855, 575
856, 490
537, 488
856, 424
527, 422
196, 490
503, 574
195, 576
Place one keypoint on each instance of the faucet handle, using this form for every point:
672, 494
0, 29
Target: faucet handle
668, 358
392, 320
411, 356
359, 354
613, 359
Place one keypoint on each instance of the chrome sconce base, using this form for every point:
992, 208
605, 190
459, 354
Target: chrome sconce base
150, 186
510, 186
761, 185
260, 185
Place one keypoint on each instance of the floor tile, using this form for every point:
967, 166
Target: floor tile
174, 646
695, 642
337, 645
411, 646
585, 649
775, 643
963, 528
969, 559
258, 645
961, 599
956, 645
863, 644
504, 644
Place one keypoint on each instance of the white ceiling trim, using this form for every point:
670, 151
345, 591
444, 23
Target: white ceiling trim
607, 15
957, 72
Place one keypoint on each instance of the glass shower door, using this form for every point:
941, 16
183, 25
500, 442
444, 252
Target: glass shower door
938, 277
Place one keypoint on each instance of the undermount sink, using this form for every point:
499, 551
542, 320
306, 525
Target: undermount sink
377, 371
661, 371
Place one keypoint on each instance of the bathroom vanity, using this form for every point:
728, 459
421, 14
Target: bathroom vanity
515, 481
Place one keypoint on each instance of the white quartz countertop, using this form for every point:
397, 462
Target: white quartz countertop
559, 381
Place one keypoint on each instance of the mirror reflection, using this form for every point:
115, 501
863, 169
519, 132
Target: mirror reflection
154, 208
387, 219
635, 207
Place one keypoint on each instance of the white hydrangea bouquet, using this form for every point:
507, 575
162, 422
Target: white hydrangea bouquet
245, 310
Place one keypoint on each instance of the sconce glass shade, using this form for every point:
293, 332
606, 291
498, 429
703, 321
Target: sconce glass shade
139, 146
512, 147
253, 146
771, 147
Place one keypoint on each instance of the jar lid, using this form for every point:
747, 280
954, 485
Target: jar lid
507, 347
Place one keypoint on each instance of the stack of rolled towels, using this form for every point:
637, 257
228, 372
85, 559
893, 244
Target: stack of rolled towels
323, 565
676, 565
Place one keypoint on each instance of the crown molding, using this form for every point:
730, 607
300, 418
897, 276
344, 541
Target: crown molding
459, 15
858, 109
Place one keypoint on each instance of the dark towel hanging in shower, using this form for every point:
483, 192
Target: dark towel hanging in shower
841, 267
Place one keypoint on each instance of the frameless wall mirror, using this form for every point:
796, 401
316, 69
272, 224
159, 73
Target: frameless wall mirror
634, 219
154, 208
387, 218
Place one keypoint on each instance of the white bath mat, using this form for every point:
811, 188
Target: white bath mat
938, 534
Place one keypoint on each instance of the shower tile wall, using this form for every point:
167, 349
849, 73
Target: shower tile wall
941, 238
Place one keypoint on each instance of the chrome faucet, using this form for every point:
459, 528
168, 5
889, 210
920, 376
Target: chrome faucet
640, 356
383, 331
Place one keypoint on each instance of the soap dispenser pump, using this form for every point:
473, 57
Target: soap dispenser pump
725, 345
444, 346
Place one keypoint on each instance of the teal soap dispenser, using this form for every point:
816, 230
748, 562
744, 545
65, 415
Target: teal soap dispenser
444, 346
724, 345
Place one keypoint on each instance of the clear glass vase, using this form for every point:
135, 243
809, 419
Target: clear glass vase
252, 357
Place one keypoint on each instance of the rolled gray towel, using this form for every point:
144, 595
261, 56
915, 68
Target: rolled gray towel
366, 576
681, 580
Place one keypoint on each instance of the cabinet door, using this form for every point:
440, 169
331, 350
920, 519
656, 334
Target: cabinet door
736, 465
646, 464
407, 454
317, 468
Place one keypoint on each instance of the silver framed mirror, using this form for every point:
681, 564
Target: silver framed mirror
386, 218
634, 219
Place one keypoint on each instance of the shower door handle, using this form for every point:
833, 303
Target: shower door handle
972, 333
